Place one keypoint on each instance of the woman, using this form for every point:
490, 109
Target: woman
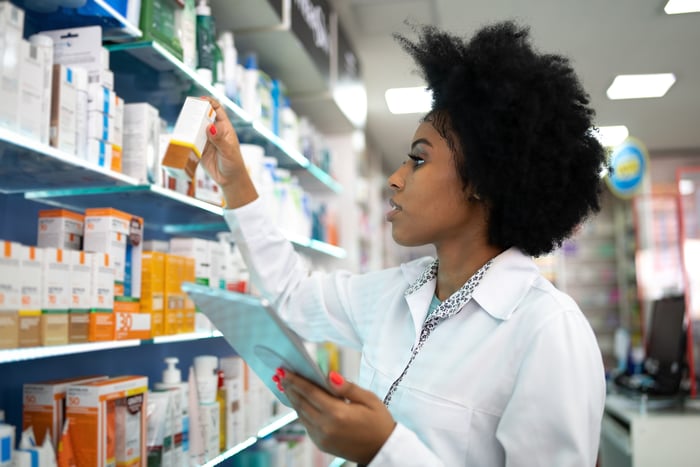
472, 358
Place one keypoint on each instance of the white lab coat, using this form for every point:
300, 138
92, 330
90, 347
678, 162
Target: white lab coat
515, 379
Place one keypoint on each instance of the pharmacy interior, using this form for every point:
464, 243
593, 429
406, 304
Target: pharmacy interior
104, 214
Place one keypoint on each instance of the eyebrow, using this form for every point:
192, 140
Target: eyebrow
421, 141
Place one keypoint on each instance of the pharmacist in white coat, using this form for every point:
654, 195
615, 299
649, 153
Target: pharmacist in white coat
471, 358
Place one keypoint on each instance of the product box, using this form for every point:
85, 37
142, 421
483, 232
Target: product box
7, 440
161, 427
196, 248
141, 137
174, 302
78, 317
44, 406
31, 284
206, 189
129, 321
153, 289
55, 297
189, 309
80, 46
217, 272
44, 50
118, 137
99, 153
63, 110
234, 372
109, 419
10, 293
101, 99
101, 320
11, 33
60, 228
100, 126
120, 235
30, 116
189, 138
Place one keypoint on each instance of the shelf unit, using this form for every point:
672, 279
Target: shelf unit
33, 175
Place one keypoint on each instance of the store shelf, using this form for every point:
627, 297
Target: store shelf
147, 72
27, 165
115, 27
263, 432
34, 353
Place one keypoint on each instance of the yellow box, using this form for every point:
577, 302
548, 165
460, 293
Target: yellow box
189, 310
153, 289
44, 405
10, 294
30, 306
108, 420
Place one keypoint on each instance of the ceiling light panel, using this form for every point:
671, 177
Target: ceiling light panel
640, 86
676, 7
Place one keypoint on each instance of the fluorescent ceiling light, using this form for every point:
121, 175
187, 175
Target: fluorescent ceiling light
640, 86
675, 7
611, 136
409, 100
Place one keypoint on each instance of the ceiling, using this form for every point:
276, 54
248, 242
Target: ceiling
602, 38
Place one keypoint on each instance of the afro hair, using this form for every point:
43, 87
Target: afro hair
523, 129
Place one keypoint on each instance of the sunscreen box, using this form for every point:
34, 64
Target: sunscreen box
174, 300
120, 235
56, 297
10, 293
31, 284
189, 138
62, 134
109, 419
44, 406
60, 228
196, 248
78, 316
153, 289
101, 321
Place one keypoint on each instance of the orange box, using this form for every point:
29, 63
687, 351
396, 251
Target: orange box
129, 321
44, 406
101, 326
174, 300
108, 421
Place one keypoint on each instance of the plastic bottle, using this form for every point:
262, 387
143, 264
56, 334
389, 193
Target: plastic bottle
172, 379
249, 89
205, 42
230, 56
221, 400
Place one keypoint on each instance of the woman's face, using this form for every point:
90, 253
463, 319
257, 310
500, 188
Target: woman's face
429, 205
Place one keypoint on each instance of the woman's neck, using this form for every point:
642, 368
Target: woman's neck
457, 266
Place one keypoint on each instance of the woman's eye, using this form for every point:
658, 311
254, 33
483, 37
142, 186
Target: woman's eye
417, 161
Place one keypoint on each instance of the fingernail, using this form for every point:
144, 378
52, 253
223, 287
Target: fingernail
212, 130
276, 379
279, 386
280, 372
336, 378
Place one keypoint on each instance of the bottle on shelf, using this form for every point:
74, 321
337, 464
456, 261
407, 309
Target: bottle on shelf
206, 45
172, 379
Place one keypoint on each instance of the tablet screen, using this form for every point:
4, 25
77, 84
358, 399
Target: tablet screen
257, 334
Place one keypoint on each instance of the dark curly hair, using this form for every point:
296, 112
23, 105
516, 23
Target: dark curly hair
520, 126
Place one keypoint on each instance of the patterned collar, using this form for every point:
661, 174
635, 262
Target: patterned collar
428, 274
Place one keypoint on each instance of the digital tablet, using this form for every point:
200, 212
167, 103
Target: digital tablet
257, 334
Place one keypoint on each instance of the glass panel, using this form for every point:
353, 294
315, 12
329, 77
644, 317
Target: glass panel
689, 189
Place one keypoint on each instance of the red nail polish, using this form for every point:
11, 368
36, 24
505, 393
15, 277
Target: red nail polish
212, 130
281, 373
336, 378
276, 379
279, 386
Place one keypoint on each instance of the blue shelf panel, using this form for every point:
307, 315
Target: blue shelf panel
147, 72
26, 164
115, 27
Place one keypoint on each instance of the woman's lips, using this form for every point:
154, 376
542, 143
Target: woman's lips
395, 208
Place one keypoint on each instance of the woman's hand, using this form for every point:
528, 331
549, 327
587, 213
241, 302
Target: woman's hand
354, 425
223, 161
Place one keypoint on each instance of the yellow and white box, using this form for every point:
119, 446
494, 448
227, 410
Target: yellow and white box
188, 138
101, 299
60, 228
11, 33
153, 289
78, 315
108, 418
55, 297
200, 251
31, 283
10, 293
44, 406
62, 134
141, 138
